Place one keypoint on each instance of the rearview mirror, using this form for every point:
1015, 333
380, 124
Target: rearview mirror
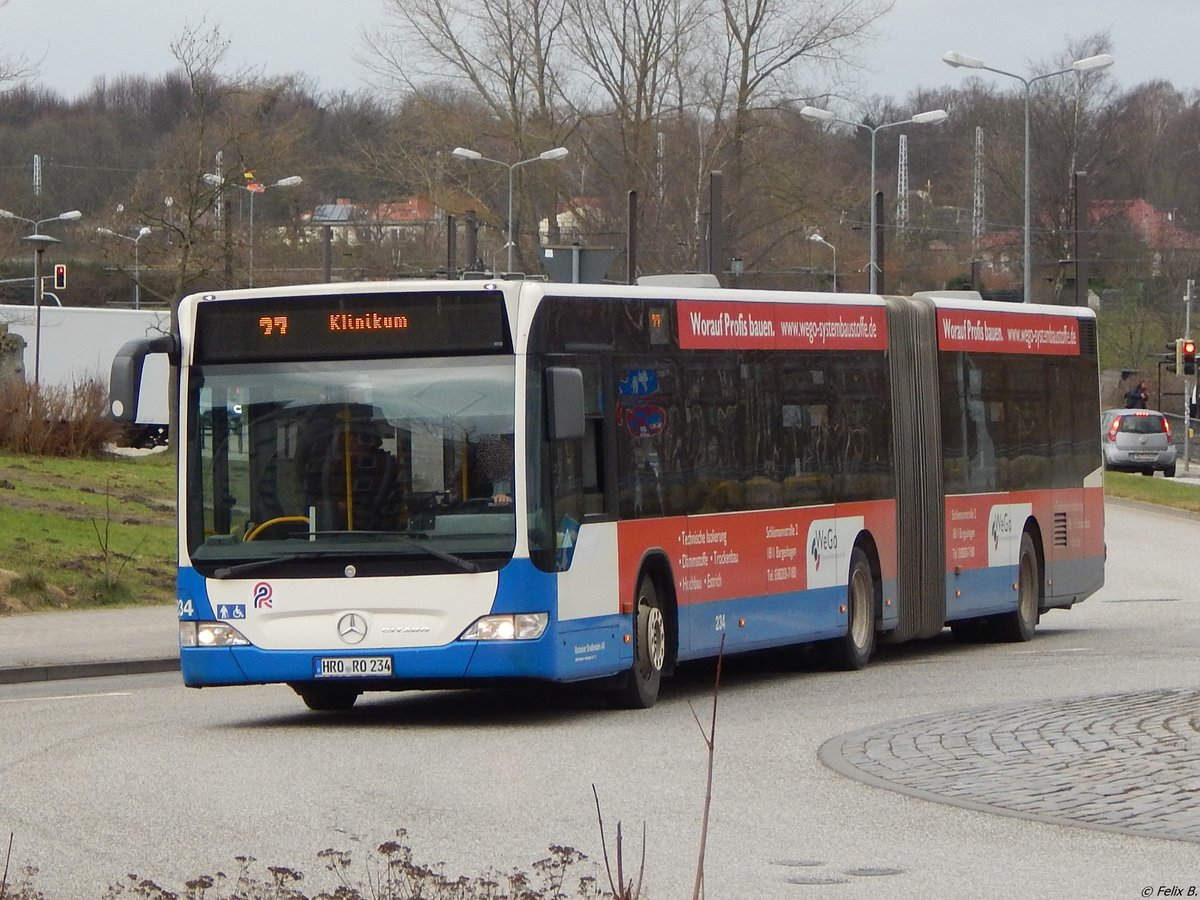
564, 403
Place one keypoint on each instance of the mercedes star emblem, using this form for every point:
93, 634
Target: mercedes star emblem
352, 628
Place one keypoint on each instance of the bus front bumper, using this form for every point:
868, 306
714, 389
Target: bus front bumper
560, 654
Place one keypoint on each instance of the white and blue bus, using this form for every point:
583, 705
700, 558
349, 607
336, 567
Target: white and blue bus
396, 485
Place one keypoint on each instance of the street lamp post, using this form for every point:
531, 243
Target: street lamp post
1090, 63
464, 153
932, 117
253, 188
817, 239
40, 243
137, 281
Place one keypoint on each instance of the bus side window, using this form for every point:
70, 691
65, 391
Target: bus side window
651, 438
591, 476
577, 471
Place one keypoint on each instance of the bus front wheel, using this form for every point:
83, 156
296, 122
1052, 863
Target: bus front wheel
326, 697
853, 650
639, 689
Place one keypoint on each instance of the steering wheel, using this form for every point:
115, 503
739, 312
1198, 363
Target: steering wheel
278, 520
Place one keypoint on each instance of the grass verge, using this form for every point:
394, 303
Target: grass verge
79, 533
1160, 491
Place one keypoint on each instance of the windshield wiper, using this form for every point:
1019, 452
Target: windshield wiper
226, 571
457, 561
464, 565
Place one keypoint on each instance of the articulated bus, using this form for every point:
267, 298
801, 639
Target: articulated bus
405, 485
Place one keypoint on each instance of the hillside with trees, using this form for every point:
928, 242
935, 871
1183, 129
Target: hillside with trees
648, 98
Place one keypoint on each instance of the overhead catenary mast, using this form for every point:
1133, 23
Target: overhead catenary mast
977, 210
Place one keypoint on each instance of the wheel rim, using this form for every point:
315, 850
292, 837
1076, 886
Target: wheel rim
1027, 601
654, 638
860, 609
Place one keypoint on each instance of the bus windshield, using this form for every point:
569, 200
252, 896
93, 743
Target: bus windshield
396, 462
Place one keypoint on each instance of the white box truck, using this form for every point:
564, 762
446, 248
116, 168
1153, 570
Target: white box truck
78, 344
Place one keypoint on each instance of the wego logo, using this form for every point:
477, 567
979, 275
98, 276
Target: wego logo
352, 628
822, 542
1001, 528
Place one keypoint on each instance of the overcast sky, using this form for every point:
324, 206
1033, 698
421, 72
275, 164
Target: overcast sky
79, 40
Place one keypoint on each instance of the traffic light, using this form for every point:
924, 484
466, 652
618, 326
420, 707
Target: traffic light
1188, 356
1173, 361
60, 276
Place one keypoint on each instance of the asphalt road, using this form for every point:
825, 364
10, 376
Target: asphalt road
102, 777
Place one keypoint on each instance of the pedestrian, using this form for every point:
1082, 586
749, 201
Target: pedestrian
1138, 396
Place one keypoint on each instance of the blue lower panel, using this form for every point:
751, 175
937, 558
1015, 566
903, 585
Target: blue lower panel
548, 658
752, 623
593, 648
981, 592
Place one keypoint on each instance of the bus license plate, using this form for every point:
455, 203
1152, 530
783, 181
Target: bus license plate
353, 666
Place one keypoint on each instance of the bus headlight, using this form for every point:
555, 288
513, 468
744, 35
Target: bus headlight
210, 634
516, 627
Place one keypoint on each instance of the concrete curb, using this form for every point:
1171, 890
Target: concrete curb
100, 669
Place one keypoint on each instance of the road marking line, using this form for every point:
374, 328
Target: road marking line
1054, 650
67, 697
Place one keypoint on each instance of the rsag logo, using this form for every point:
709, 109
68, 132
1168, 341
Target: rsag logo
262, 595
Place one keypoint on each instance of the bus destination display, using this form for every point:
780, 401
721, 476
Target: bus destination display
350, 325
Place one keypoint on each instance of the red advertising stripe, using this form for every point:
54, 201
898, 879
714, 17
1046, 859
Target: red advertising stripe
975, 527
724, 325
724, 556
993, 331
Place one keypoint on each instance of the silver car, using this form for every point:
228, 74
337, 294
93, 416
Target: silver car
1137, 440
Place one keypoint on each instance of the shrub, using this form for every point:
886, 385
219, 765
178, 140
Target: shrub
390, 873
55, 421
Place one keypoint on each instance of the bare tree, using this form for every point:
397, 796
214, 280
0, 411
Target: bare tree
504, 53
229, 125
635, 55
770, 46
186, 220
1075, 115
503, 49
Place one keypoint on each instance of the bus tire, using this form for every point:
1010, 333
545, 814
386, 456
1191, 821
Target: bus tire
853, 650
639, 688
327, 697
1019, 625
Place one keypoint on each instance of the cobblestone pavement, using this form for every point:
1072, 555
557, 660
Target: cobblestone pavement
1124, 762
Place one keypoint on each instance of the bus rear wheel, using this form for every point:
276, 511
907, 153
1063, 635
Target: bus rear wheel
327, 697
854, 649
1020, 624
639, 688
